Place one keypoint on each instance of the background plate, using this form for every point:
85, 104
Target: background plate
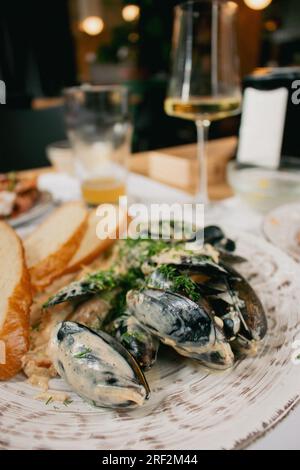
190, 408
282, 227
44, 204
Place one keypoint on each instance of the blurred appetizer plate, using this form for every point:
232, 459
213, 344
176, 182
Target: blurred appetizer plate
190, 407
42, 206
282, 228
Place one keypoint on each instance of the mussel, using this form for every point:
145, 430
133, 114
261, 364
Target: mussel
91, 313
187, 260
168, 277
97, 367
253, 318
182, 324
170, 231
214, 236
85, 288
140, 343
231, 321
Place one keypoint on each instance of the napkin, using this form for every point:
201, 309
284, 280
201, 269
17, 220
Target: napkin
62, 186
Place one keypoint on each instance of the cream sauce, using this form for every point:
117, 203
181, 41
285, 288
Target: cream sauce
94, 370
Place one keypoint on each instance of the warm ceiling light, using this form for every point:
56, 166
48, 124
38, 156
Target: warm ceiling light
92, 25
131, 12
271, 26
134, 37
258, 4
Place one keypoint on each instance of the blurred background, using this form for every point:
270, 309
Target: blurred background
47, 46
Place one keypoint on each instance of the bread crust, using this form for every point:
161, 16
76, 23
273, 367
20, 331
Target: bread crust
90, 257
45, 270
15, 330
101, 248
54, 265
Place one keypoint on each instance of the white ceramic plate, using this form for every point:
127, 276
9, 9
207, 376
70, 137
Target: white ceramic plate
282, 227
190, 408
43, 205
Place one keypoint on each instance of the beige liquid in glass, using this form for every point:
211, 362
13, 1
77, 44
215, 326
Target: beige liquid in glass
102, 190
212, 108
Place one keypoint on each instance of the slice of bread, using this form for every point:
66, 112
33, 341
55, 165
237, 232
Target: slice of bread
91, 246
53, 243
15, 302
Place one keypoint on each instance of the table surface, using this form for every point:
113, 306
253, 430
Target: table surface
286, 434
219, 152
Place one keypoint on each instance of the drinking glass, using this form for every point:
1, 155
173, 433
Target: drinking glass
99, 131
205, 81
60, 155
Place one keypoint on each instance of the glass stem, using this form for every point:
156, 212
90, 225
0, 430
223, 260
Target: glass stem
202, 135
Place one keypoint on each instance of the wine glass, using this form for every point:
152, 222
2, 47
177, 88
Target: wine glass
205, 81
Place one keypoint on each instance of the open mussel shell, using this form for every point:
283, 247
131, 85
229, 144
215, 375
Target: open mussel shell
160, 279
229, 316
210, 234
230, 258
214, 235
97, 367
75, 290
141, 344
189, 262
182, 324
81, 290
167, 230
252, 311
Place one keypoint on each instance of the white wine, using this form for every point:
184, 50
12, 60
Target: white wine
211, 108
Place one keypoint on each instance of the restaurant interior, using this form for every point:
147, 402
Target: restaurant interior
48, 46
187, 108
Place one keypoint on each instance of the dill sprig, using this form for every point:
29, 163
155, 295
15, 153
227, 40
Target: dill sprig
117, 300
136, 252
67, 402
82, 354
50, 399
128, 337
103, 280
180, 283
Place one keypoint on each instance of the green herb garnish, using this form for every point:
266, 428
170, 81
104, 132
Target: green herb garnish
180, 283
128, 337
136, 252
103, 280
82, 354
67, 402
91, 285
131, 279
49, 400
